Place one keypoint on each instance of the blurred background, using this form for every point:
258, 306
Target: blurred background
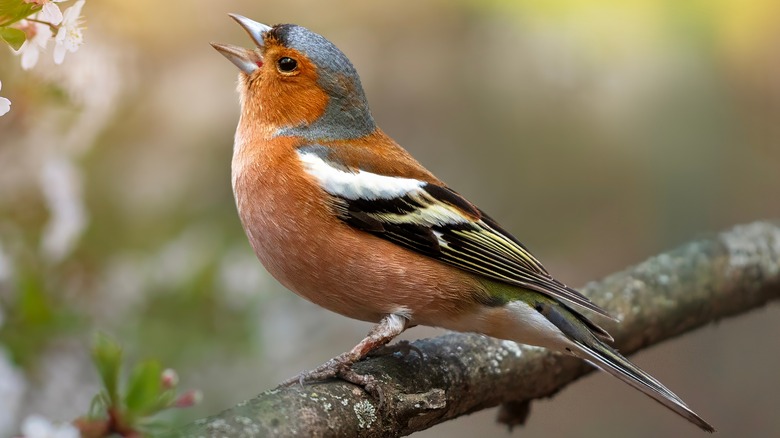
601, 133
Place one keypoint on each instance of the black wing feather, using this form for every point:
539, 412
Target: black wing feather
464, 237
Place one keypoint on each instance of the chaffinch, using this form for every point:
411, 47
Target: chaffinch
343, 216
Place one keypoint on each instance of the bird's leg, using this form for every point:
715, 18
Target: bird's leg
341, 366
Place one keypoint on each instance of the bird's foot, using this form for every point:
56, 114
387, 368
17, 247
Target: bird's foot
328, 370
369, 383
340, 367
389, 327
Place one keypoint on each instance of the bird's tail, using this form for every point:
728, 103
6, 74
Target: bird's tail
608, 359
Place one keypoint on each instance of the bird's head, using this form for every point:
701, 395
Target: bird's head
297, 83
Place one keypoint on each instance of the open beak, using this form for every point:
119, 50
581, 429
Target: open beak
247, 60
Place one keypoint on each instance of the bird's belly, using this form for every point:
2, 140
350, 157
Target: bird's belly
356, 274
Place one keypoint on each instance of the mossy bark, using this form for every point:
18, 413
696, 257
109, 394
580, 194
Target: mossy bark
665, 296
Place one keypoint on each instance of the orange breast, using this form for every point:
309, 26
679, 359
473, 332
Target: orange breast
313, 253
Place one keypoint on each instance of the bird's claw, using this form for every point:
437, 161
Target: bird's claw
369, 383
328, 370
339, 367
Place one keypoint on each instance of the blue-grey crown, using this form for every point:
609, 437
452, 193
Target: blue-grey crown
347, 114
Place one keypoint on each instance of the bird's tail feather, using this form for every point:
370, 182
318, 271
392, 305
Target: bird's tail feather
607, 359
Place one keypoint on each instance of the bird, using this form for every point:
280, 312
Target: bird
343, 216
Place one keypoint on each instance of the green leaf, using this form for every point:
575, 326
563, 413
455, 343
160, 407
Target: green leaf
34, 306
12, 11
99, 406
144, 388
14, 37
107, 355
164, 400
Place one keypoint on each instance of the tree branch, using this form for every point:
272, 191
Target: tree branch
667, 295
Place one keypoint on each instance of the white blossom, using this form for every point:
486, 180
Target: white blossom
62, 189
38, 35
49, 11
36, 426
5, 104
13, 387
70, 36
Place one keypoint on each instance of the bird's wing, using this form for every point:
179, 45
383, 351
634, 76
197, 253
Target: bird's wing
433, 220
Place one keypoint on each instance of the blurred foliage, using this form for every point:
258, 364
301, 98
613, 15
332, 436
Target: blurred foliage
130, 408
14, 37
599, 132
12, 11
34, 317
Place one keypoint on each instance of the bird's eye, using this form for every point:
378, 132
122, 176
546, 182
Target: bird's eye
287, 64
